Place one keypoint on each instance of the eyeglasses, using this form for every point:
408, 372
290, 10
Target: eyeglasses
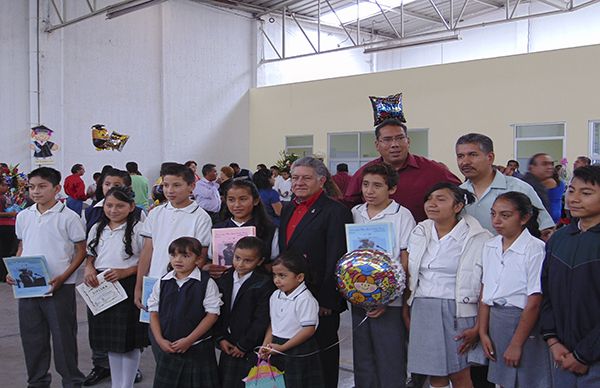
391, 140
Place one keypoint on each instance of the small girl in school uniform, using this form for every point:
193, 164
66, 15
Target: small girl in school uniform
511, 296
244, 208
244, 318
294, 318
184, 305
114, 244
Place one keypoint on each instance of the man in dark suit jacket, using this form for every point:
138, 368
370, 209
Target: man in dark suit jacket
314, 225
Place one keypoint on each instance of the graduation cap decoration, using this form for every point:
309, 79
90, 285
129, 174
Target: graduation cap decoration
42, 129
102, 140
41, 145
389, 107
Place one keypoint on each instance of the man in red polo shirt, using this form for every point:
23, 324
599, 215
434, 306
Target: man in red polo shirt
416, 173
75, 188
314, 225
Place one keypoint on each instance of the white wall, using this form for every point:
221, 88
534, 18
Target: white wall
14, 82
175, 77
572, 29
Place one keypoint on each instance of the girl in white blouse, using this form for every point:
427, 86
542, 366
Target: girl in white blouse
114, 246
511, 296
444, 265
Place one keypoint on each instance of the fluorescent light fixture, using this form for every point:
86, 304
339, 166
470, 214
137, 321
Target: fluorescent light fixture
364, 10
408, 42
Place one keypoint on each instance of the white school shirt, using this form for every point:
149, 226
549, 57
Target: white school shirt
166, 223
212, 299
101, 204
437, 274
290, 313
402, 222
510, 277
237, 284
110, 250
52, 234
285, 185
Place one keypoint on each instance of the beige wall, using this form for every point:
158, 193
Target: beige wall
486, 96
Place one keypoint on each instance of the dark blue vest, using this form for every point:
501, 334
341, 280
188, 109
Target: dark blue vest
180, 310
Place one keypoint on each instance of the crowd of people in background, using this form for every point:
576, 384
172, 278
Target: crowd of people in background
502, 270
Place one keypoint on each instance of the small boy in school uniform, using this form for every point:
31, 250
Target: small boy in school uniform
48, 228
384, 332
570, 317
179, 217
244, 315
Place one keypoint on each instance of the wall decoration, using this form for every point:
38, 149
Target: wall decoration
102, 140
41, 145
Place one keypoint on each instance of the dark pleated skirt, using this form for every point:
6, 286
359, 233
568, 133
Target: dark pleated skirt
196, 368
300, 372
118, 329
232, 370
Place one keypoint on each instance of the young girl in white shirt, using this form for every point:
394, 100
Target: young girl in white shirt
511, 296
294, 318
444, 265
184, 305
114, 244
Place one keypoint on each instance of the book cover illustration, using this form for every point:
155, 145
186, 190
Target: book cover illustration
375, 235
224, 240
31, 275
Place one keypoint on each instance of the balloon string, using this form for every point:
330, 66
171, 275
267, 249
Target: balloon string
271, 350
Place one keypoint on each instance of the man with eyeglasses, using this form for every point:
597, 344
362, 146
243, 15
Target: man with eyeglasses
416, 173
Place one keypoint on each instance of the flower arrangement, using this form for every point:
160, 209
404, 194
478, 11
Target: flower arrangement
17, 187
286, 160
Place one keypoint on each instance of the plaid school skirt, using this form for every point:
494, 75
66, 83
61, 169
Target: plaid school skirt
196, 368
300, 372
118, 329
232, 370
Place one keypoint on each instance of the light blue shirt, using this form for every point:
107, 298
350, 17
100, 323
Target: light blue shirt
480, 209
206, 194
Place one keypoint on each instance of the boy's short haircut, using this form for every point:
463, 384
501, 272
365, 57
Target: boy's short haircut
274, 168
585, 160
189, 163
164, 166
588, 174
185, 244
208, 167
96, 175
76, 168
341, 167
252, 243
295, 262
386, 171
46, 173
181, 171
120, 174
234, 165
131, 167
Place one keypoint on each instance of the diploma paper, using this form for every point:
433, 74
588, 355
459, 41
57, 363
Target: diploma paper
103, 297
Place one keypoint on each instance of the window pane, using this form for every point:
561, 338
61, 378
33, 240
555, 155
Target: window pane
526, 149
541, 130
367, 145
300, 151
291, 141
419, 142
596, 139
343, 146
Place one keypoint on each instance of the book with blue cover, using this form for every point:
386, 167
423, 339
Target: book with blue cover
147, 286
374, 235
31, 275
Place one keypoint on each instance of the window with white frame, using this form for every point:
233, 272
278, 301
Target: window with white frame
358, 148
595, 141
531, 139
299, 145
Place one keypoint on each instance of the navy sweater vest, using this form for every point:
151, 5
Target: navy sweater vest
181, 309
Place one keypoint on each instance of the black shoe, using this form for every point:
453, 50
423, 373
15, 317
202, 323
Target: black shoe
138, 376
96, 375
